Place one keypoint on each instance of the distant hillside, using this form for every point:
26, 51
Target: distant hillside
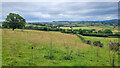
113, 20
77, 22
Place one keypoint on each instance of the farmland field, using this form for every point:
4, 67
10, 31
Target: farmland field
51, 49
94, 27
104, 40
59, 33
82, 28
76, 28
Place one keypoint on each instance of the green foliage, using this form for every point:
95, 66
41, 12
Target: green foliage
117, 34
100, 31
95, 34
107, 31
5, 25
114, 46
89, 42
84, 32
97, 43
15, 21
29, 27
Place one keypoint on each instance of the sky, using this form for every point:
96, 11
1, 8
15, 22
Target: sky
61, 11
60, 0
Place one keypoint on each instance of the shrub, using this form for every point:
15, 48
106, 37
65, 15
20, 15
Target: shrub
97, 43
101, 45
29, 27
89, 42
95, 34
108, 31
114, 46
100, 31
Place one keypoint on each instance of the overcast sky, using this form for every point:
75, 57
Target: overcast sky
61, 11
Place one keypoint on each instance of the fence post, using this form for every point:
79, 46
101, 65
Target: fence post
32, 55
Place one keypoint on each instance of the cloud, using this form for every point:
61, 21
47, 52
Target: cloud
60, 0
50, 11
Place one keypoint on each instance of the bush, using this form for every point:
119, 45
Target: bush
117, 34
29, 27
101, 45
95, 34
97, 43
100, 31
107, 31
89, 42
114, 46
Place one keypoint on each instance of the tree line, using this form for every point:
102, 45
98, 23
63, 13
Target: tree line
84, 32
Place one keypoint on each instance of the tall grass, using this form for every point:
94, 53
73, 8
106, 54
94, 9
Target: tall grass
17, 50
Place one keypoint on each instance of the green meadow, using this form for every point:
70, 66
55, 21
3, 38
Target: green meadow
99, 27
76, 27
52, 49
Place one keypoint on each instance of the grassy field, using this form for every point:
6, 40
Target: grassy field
103, 40
76, 27
88, 28
109, 27
33, 25
95, 27
50, 49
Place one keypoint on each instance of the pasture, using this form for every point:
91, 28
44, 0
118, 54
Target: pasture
104, 40
51, 49
76, 27
94, 27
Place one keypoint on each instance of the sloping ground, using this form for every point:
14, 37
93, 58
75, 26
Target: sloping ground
103, 40
64, 49
42, 37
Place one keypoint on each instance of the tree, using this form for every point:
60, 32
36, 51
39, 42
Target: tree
80, 31
15, 21
100, 31
107, 31
4, 24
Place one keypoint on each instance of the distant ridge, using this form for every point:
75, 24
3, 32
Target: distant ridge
113, 20
76, 22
